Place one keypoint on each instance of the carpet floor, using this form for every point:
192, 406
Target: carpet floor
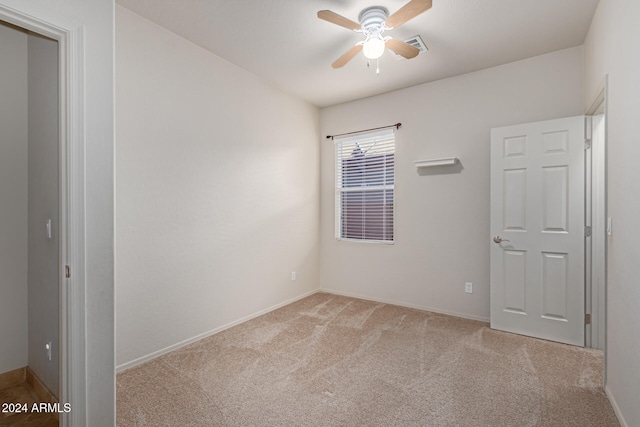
330, 360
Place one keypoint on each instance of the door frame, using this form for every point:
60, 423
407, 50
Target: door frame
72, 372
597, 292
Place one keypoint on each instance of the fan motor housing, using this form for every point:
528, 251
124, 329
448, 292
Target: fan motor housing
373, 16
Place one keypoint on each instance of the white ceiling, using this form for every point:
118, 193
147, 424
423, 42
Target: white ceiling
285, 44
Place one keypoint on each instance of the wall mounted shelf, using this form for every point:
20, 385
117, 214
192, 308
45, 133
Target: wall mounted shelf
447, 161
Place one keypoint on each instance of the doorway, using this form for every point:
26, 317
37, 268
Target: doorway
30, 256
72, 208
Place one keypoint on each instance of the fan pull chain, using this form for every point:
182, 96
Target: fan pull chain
377, 66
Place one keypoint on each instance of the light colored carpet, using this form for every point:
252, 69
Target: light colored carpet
329, 360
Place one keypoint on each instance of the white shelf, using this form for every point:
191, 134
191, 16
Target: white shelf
447, 161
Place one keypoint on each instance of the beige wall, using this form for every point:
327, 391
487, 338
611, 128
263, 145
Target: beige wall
611, 48
217, 192
13, 198
442, 218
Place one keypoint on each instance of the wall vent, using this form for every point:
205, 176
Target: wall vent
415, 41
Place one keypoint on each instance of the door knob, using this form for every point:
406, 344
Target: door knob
498, 239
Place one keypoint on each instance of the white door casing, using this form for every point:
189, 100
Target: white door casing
71, 48
537, 210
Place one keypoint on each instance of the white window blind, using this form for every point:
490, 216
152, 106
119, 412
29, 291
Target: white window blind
365, 185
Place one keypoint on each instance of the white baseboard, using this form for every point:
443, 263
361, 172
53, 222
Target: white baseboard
404, 304
158, 353
616, 408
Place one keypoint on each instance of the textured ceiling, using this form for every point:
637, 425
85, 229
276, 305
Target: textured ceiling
285, 44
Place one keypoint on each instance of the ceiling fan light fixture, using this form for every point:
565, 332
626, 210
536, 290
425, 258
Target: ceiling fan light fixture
373, 48
373, 22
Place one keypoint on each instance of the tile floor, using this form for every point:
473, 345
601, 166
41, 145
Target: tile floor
23, 393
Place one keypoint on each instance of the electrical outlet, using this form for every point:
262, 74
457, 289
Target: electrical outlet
468, 287
293, 276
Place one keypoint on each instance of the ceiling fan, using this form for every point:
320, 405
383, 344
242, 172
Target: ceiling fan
373, 22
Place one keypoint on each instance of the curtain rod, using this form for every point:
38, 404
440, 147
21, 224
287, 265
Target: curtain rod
397, 125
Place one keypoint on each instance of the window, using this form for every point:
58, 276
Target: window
365, 185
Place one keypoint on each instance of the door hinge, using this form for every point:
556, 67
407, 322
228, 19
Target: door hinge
587, 231
587, 144
67, 271
587, 319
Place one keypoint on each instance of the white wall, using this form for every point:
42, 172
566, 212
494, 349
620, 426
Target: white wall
611, 48
43, 205
442, 219
217, 192
94, 19
13, 198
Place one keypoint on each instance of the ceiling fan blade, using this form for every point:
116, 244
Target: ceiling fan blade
348, 56
334, 18
402, 48
408, 11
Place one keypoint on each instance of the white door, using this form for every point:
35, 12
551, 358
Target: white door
537, 229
